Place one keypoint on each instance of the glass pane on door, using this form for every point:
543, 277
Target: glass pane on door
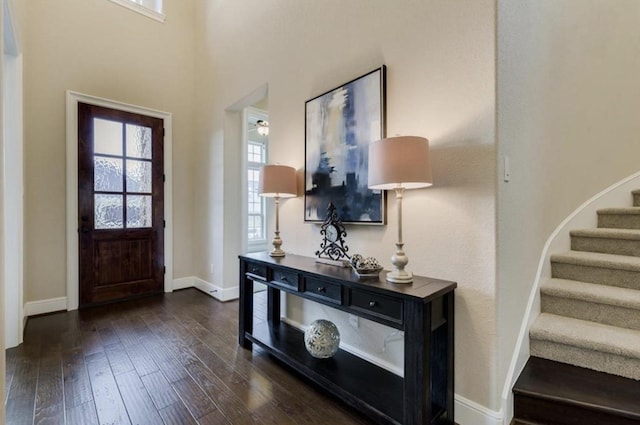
138, 211
107, 174
107, 137
138, 141
138, 176
108, 211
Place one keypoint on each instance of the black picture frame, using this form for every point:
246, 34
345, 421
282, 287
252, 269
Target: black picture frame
339, 126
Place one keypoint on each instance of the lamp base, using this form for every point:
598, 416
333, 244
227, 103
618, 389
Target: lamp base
400, 276
277, 253
277, 243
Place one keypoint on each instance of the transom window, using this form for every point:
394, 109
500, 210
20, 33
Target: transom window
151, 8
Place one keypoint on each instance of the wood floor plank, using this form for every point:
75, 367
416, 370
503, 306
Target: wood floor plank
108, 335
11, 361
83, 414
91, 341
177, 414
20, 404
160, 390
109, 404
230, 406
118, 358
198, 403
77, 387
139, 405
49, 403
213, 418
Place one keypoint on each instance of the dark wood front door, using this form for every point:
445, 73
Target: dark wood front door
120, 204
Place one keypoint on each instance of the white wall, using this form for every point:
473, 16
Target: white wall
568, 103
101, 49
13, 183
441, 85
2, 282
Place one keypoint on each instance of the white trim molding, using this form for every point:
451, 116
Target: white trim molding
33, 308
208, 288
217, 292
72, 187
585, 216
153, 13
182, 283
469, 412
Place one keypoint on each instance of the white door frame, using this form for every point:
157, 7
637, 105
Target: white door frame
72, 188
13, 180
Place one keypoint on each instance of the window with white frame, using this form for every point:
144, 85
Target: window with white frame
151, 8
256, 157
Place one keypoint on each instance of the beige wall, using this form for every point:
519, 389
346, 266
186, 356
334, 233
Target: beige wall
569, 96
102, 49
441, 85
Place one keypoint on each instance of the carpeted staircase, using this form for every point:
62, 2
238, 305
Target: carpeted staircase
591, 306
590, 317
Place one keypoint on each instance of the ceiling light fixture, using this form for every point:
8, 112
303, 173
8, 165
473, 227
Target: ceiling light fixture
262, 127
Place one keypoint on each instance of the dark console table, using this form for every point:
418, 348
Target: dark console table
424, 310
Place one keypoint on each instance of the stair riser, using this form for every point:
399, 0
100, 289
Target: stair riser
591, 311
619, 221
606, 246
603, 276
535, 410
596, 360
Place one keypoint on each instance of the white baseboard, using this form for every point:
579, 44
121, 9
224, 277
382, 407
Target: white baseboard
221, 294
467, 412
183, 283
33, 308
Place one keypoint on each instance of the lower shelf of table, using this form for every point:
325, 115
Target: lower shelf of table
376, 392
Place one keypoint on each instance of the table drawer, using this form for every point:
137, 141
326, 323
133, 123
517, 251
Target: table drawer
257, 270
285, 278
375, 304
324, 290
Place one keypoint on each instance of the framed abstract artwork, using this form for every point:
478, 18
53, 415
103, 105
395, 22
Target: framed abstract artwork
339, 126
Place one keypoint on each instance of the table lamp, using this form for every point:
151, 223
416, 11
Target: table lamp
399, 163
277, 181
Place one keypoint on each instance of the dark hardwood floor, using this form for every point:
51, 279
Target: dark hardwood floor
171, 359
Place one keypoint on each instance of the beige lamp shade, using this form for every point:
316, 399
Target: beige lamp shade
277, 181
397, 162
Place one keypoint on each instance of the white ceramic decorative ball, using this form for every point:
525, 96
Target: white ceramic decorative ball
322, 339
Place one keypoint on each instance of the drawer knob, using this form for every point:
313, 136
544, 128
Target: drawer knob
372, 303
321, 289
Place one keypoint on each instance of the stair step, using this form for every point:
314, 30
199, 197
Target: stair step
619, 218
586, 344
593, 302
548, 392
607, 241
636, 198
605, 269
